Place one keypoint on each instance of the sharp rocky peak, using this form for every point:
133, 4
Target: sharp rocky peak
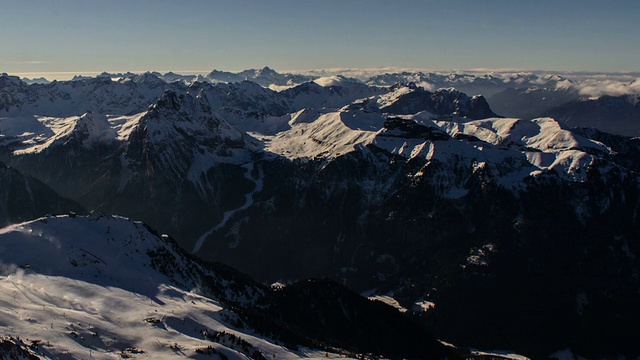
410, 99
266, 71
174, 102
149, 79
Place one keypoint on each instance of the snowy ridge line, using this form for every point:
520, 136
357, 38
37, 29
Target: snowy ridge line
487, 80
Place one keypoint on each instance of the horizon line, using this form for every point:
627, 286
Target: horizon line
65, 75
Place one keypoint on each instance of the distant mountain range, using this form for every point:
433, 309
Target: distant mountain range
523, 95
524, 226
614, 114
531, 102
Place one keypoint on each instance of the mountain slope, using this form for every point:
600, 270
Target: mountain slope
23, 197
107, 287
178, 146
440, 205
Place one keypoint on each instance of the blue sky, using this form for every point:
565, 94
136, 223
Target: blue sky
189, 36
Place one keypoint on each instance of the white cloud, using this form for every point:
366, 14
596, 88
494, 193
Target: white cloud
564, 84
588, 84
427, 86
599, 87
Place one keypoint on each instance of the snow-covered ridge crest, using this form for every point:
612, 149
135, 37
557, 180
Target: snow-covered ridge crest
317, 135
34, 134
519, 148
409, 99
99, 95
112, 250
544, 134
180, 131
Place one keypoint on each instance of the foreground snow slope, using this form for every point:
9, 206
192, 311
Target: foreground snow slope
107, 287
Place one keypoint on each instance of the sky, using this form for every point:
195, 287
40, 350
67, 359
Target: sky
59, 38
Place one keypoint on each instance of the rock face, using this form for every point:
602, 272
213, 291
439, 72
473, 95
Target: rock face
427, 195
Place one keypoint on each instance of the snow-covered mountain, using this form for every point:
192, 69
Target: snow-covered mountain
486, 84
424, 194
334, 92
107, 287
411, 99
265, 77
62, 99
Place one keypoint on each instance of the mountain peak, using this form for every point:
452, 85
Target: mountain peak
150, 79
6, 78
94, 128
265, 73
267, 70
169, 99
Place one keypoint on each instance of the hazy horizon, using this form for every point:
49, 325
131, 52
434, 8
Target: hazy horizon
361, 72
64, 38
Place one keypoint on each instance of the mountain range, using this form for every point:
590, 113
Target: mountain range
524, 226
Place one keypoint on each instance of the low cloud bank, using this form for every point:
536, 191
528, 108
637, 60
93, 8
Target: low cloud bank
599, 87
586, 84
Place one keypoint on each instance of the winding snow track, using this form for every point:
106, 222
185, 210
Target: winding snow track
248, 201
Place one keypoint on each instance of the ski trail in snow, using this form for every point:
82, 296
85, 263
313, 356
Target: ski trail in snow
248, 201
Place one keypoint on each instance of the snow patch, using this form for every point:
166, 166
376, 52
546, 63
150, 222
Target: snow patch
502, 354
422, 305
387, 299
